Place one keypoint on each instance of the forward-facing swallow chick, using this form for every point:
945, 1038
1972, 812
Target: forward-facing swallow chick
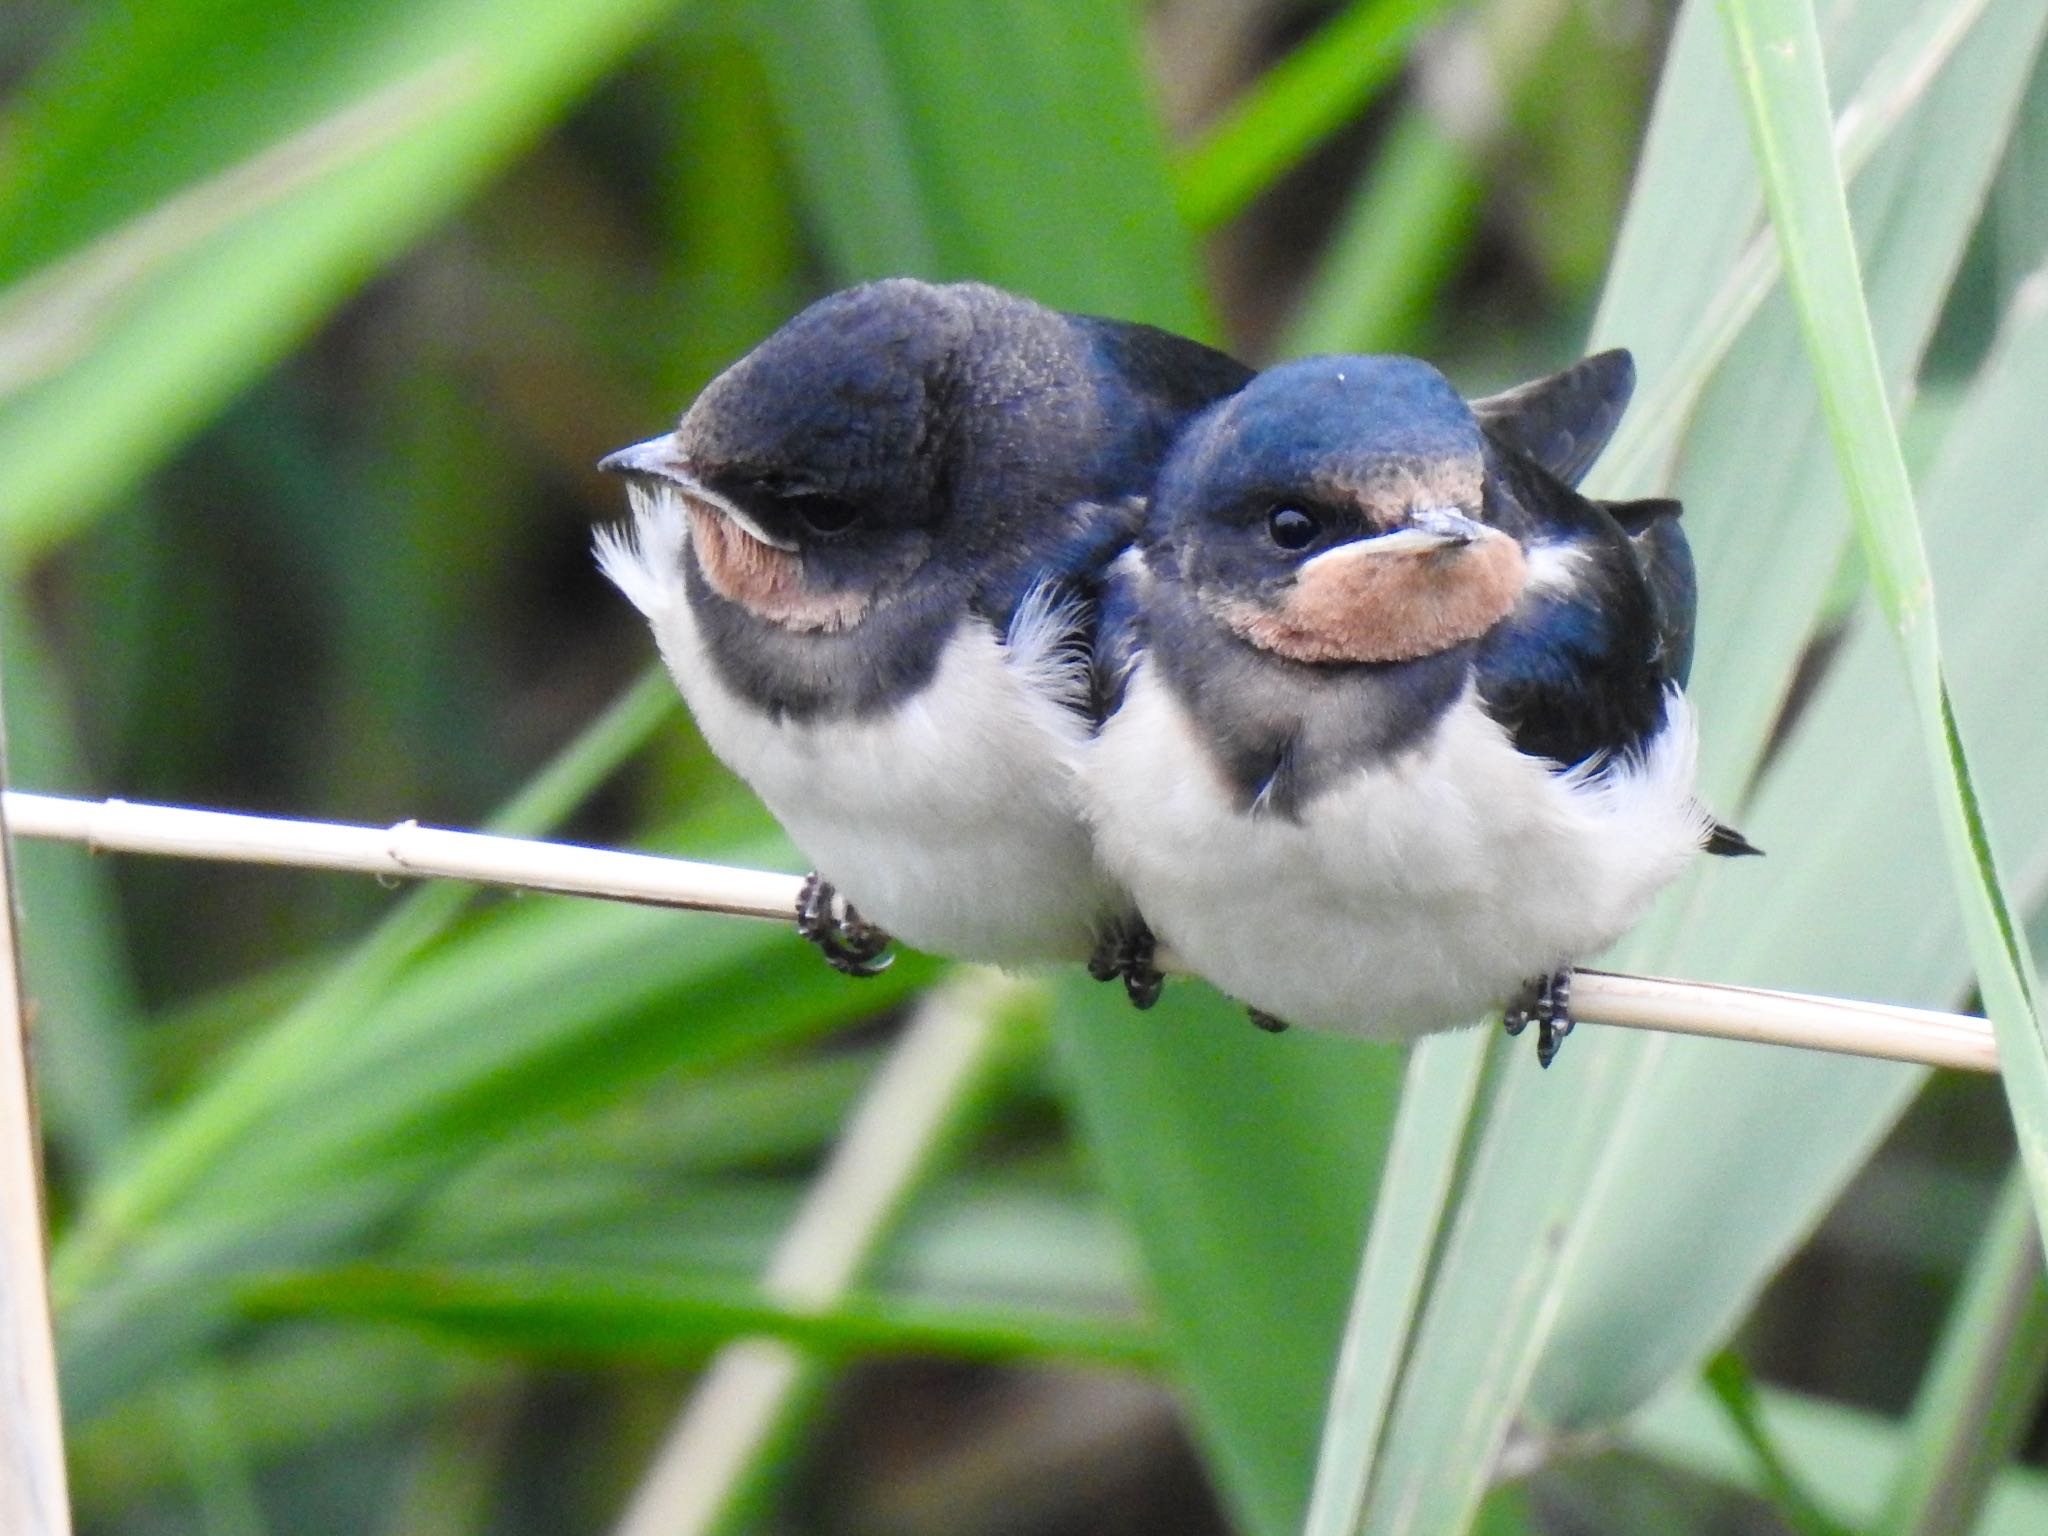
1398, 734
870, 554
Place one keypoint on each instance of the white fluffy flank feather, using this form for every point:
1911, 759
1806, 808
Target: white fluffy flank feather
1647, 790
1047, 645
644, 559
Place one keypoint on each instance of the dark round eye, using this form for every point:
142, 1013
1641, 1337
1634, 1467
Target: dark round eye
1292, 528
825, 516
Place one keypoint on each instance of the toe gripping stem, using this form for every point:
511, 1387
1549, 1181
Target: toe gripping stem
851, 945
1547, 1003
1124, 952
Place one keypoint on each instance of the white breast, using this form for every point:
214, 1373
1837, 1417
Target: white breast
951, 820
1418, 895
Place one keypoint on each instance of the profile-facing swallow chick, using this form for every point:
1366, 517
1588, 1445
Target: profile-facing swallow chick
870, 554
1397, 731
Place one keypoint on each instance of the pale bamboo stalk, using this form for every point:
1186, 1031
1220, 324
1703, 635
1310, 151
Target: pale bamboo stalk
886, 1147
408, 850
33, 1498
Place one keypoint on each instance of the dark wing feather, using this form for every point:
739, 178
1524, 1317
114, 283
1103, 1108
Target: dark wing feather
1666, 560
1562, 422
1577, 672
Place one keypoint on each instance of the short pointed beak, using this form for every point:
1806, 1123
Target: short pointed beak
658, 458
1448, 526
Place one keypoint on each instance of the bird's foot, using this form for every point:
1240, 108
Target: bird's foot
1124, 953
1547, 1003
851, 945
1266, 1021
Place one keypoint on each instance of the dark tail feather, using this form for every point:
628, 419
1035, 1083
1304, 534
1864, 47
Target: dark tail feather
1729, 843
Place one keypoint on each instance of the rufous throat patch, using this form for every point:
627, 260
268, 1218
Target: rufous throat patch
1358, 603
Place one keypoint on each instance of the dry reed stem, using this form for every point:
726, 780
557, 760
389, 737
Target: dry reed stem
33, 1497
409, 850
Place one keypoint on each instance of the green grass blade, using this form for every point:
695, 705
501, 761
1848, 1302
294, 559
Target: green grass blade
830, 67
1980, 1394
653, 1318
1897, 84
1778, 47
1848, 1455
1309, 94
297, 1388
149, 288
1400, 239
179, 1154
1412, 218
1735, 1390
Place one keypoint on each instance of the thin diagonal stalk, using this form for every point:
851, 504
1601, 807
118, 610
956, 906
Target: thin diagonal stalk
888, 1147
1322, 84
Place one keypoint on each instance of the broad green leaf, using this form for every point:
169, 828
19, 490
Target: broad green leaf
2020, 205
1415, 1188
283, 170
1777, 48
1246, 1163
1741, 1148
1541, 1241
908, 116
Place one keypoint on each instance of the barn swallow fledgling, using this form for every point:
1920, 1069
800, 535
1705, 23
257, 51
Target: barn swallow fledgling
870, 554
1397, 731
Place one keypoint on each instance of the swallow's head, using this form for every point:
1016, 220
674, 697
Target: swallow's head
1332, 511
815, 472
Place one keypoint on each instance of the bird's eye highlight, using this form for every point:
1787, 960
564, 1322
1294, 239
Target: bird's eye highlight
825, 516
1292, 528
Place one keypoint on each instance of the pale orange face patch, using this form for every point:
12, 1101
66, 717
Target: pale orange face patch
1361, 603
762, 579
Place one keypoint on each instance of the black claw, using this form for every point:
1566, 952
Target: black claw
852, 946
1124, 953
1266, 1021
1546, 1003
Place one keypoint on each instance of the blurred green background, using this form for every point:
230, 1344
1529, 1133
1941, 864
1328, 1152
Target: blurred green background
423, 1213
